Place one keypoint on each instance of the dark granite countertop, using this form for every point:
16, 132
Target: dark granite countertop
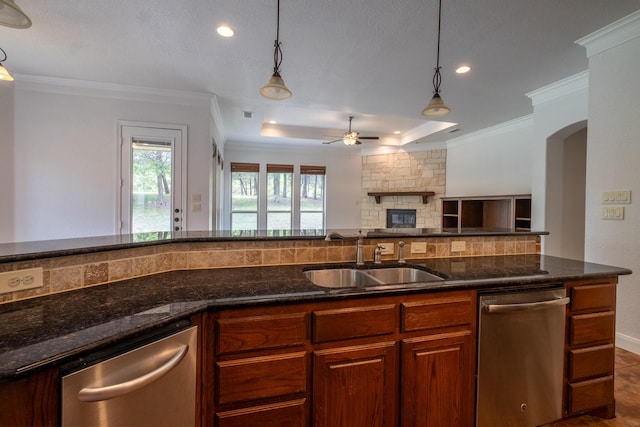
54, 329
26, 251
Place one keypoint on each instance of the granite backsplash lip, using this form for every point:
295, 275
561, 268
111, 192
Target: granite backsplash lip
49, 330
29, 251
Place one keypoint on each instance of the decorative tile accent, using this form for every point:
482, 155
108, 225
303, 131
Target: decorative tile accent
73, 272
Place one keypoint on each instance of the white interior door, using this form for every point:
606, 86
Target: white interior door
152, 185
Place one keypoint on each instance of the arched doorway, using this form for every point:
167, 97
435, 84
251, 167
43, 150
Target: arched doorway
565, 191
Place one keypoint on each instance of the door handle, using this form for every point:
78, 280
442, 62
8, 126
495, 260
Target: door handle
95, 394
503, 308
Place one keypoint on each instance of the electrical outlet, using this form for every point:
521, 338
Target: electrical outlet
458, 246
19, 280
419, 247
388, 249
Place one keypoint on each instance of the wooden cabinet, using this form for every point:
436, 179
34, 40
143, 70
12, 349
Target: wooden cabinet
591, 351
342, 363
510, 212
355, 386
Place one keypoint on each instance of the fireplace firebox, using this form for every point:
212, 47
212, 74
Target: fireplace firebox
401, 218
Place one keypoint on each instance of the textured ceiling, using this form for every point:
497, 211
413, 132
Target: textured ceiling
373, 59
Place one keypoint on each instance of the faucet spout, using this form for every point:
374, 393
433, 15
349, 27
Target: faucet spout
359, 250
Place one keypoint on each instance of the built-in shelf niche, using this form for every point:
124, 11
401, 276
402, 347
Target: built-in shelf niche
510, 211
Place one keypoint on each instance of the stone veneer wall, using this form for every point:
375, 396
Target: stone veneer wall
67, 273
416, 171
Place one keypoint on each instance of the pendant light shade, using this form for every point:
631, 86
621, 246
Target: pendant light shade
12, 16
437, 107
275, 88
4, 74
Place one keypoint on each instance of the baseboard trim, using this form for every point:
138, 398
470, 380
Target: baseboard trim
628, 343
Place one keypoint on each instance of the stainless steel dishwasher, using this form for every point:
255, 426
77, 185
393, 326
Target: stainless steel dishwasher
520, 358
152, 384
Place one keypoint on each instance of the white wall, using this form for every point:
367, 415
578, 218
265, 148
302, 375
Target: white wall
495, 161
6, 162
65, 153
343, 180
613, 158
573, 194
559, 110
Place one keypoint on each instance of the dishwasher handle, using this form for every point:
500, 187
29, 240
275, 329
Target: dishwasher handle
95, 394
505, 308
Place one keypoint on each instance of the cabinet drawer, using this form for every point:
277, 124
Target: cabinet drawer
436, 313
260, 377
260, 332
596, 296
591, 362
590, 394
592, 328
353, 322
285, 414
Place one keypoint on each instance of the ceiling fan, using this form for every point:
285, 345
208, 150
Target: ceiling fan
351, 137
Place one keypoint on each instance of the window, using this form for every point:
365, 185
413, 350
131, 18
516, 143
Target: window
244, 196
312, 197
268, 201
279, 203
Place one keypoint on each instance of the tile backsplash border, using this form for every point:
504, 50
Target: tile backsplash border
61, 274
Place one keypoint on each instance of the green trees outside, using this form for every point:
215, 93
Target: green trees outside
151, 190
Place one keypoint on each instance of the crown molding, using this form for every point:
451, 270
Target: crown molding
612, 35
561, 88
499, 129
111, 90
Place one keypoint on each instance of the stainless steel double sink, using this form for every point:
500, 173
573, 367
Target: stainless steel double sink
375, 277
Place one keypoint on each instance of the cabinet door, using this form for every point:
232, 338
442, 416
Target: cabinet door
355, 386
437, 381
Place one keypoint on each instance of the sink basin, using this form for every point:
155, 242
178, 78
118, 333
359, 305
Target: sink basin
349, 277
340, 278
402, 275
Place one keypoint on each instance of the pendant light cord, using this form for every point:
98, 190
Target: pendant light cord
437, 78
277, 54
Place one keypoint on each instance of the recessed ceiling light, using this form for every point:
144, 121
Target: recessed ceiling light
225, 31
396, 132
463, 69
273, 122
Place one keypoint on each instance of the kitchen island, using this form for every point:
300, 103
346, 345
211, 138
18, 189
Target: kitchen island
37, 335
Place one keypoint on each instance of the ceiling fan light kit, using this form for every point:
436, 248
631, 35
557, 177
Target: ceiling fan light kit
12, 16
437, 107
275, 88
351, 137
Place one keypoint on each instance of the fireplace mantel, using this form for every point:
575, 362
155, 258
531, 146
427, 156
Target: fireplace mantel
380, 194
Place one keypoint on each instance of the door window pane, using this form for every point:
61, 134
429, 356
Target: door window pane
151, 182
244, 221
311, 220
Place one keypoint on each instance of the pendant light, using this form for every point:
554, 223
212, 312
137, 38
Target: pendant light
12, 16
437, 107
276, 88
4, 74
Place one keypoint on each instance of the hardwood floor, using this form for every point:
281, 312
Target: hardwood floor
627, 394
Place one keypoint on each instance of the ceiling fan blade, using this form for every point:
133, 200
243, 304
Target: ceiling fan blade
358, 142
331, 142
369, 137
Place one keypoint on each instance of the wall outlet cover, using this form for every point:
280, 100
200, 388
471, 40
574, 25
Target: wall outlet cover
458, 246
19, 280
419, 247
